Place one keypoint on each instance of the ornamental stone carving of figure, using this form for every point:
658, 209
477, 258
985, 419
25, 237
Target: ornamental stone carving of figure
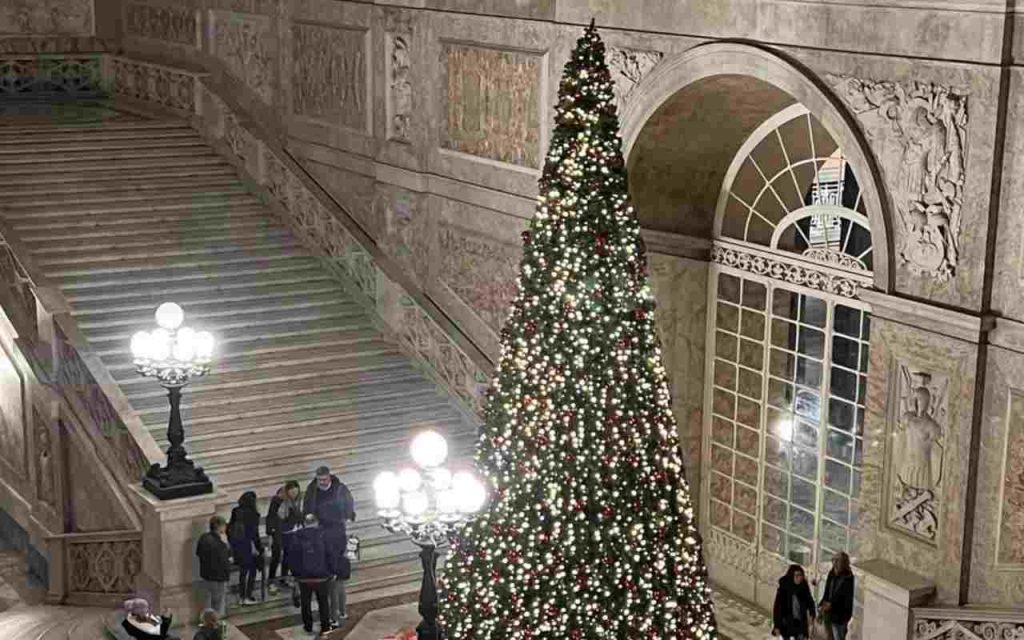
921, 436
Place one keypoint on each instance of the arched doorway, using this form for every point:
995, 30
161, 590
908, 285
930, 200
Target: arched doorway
733, 147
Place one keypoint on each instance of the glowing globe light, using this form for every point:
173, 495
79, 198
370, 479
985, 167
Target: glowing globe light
169, 316
409, 480
429, 449
415, 504
204, 345
160, 345
386, 491
140, 345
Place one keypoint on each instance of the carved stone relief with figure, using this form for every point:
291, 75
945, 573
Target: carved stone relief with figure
919, 132
918, 439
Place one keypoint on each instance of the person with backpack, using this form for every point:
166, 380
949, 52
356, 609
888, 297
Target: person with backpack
283, 516
331, 501
246, 546
311, 567
214, 554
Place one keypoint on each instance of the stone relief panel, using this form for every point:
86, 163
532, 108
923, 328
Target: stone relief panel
12, 418
177, 25
245, 43
407, 233
493, 103
629, 67
481, 270
919, 132
46, 17
399, 88
329, 75
46, 461
918, 430
1010, 549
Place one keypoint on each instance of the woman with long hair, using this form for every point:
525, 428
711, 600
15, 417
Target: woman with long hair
793, 613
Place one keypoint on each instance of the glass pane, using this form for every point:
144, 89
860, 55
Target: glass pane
784, 304
847, 321
833, 536
727, 317
776, 482
723, 403
783, 334
748, 441
750, 384
812, 343
745, 498
805, 463
858, 453
754, 295
803, 494
844, 384
806, 435
721, 488
813, 312
782, 364
862, 389
837, 507
845, 352
780, 394
799, 551
721, 460
752, 354
722, 431
753, 325
744, 526
725, 375
728, 288
864, 358
721, 515
777, 452
725, 346
840, 414
808, 404
808, 373
801, 523
746, 470
837, 476
748, 412
774, 511
772, 540
840, 445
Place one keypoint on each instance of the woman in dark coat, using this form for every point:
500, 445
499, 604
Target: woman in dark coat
246, 547
793, 612
837, 601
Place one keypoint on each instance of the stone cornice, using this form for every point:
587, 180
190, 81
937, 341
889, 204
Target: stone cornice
947, 322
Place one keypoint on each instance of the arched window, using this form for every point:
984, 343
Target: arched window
788, 345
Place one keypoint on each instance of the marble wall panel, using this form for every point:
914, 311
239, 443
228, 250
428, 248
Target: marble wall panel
1009, 276
407, 231
493, 103
46, 17
481, 270
246, 43
997, 568
163, 22
330, 75
92, 508
921, 395
354, 191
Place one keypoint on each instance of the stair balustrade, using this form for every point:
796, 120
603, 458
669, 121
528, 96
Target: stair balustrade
966, 623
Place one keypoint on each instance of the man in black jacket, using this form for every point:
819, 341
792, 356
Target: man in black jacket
312, 569
215, 564
331, 501
837, 601
283, 516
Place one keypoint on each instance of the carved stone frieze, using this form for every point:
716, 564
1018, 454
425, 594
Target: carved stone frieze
789, 272
945, 629
245, 43
629, 67
493, 103
1011, 512
12, 418
167, 23
154, 83
108, 567
46, 462
918, 426
399, 87
481, 271
919, 132
46, 17
329, 81
66, 75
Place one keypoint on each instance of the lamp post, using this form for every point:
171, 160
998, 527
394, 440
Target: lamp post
173, 354
428, 507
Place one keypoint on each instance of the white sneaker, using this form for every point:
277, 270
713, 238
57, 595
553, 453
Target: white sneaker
273, 590
249, 601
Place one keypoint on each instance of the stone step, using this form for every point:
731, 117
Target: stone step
135, 266
127, 187
424, 404
89, 309
182, 240
227, 285
103, 258
212, 308
142, 128
200, 192
112, 229
83, 169
181, 219
135, 175
20, 138
89, 144
258, 265
195, 203
369, 393
28, 155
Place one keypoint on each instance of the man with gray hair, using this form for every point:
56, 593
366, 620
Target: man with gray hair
331, 501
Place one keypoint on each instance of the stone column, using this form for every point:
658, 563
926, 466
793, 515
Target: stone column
169, 567
889, 594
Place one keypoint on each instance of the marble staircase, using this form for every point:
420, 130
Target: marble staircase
122, 214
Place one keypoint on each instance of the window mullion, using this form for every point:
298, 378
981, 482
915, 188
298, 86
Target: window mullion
826, 391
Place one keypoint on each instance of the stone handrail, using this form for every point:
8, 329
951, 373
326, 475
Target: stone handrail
967, 623
318, 220
94, 569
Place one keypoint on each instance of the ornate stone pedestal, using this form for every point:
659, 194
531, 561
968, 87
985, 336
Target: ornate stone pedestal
889, 594
170, 529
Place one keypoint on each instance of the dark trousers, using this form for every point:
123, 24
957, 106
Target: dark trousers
322, 591
277, 557
246, 582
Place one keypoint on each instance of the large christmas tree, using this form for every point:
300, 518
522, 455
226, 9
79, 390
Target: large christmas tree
590, 530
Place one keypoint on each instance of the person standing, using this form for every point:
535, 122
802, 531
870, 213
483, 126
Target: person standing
331, 501
210, 627
244, 535
215, 564
311, 569
283, 515
793, 612
837, 602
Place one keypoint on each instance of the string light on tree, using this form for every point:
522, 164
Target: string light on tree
590, 531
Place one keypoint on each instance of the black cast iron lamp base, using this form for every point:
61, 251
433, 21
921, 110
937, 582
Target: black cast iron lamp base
174, 354
430, 508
